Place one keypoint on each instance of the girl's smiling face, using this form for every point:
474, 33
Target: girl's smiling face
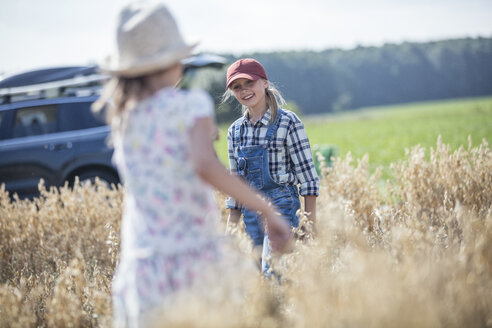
250, 93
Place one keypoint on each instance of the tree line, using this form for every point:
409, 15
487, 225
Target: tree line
335, 80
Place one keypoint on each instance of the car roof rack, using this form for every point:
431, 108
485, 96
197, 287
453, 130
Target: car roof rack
75, 81
51, 83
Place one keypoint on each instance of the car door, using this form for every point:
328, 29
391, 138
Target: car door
30, 149
88, 135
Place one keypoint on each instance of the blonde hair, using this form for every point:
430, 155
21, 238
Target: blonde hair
120, 96
273, 99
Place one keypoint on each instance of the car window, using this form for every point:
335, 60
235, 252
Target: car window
32, 121
77, 116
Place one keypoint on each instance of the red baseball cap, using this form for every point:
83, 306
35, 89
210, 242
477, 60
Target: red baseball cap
246, 68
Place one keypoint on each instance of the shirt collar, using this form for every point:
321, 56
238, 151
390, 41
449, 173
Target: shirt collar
265, 119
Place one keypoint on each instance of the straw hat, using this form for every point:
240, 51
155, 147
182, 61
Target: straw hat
148, 39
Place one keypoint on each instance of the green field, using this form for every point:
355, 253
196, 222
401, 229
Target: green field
384, 132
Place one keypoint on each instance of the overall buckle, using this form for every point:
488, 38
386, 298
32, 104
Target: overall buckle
241, 166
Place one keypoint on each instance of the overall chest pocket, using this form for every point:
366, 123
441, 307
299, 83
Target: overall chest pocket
254, 172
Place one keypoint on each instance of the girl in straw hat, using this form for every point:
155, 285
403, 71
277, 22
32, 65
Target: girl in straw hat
269, 148
164, 153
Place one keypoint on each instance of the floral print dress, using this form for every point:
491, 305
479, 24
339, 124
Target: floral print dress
169, 233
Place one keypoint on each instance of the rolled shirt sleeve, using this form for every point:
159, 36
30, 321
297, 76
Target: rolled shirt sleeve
302, 158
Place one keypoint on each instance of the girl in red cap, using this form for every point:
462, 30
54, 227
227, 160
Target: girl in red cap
268, 146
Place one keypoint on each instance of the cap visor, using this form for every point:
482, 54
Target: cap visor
247, 76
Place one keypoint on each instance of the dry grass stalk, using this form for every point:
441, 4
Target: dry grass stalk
418, 257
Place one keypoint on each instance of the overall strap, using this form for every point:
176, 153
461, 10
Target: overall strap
238, 129
272, 129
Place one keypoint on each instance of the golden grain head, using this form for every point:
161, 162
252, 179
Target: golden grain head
415, 252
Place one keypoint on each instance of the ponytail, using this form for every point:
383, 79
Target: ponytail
273, 100
120, 96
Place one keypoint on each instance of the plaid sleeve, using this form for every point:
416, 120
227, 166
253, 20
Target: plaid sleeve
231, 202
302, 158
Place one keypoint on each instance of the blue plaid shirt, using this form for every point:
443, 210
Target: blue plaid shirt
289, 154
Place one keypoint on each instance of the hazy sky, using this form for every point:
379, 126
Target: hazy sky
40, 33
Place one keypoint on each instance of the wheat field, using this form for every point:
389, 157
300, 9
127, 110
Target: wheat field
418, 254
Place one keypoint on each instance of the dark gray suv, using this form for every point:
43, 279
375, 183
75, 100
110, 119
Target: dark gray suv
48, 131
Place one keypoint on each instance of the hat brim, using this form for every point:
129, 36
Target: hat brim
252, 77
143, 67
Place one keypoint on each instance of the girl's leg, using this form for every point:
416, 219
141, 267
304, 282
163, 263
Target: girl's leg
253, 227
286, 199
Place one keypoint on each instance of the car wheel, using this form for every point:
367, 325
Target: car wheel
104, 176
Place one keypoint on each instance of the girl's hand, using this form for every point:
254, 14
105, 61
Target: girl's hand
279, 232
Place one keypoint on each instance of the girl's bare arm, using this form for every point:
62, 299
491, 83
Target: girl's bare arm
211, 170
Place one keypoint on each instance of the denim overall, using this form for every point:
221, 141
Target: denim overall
252, 165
